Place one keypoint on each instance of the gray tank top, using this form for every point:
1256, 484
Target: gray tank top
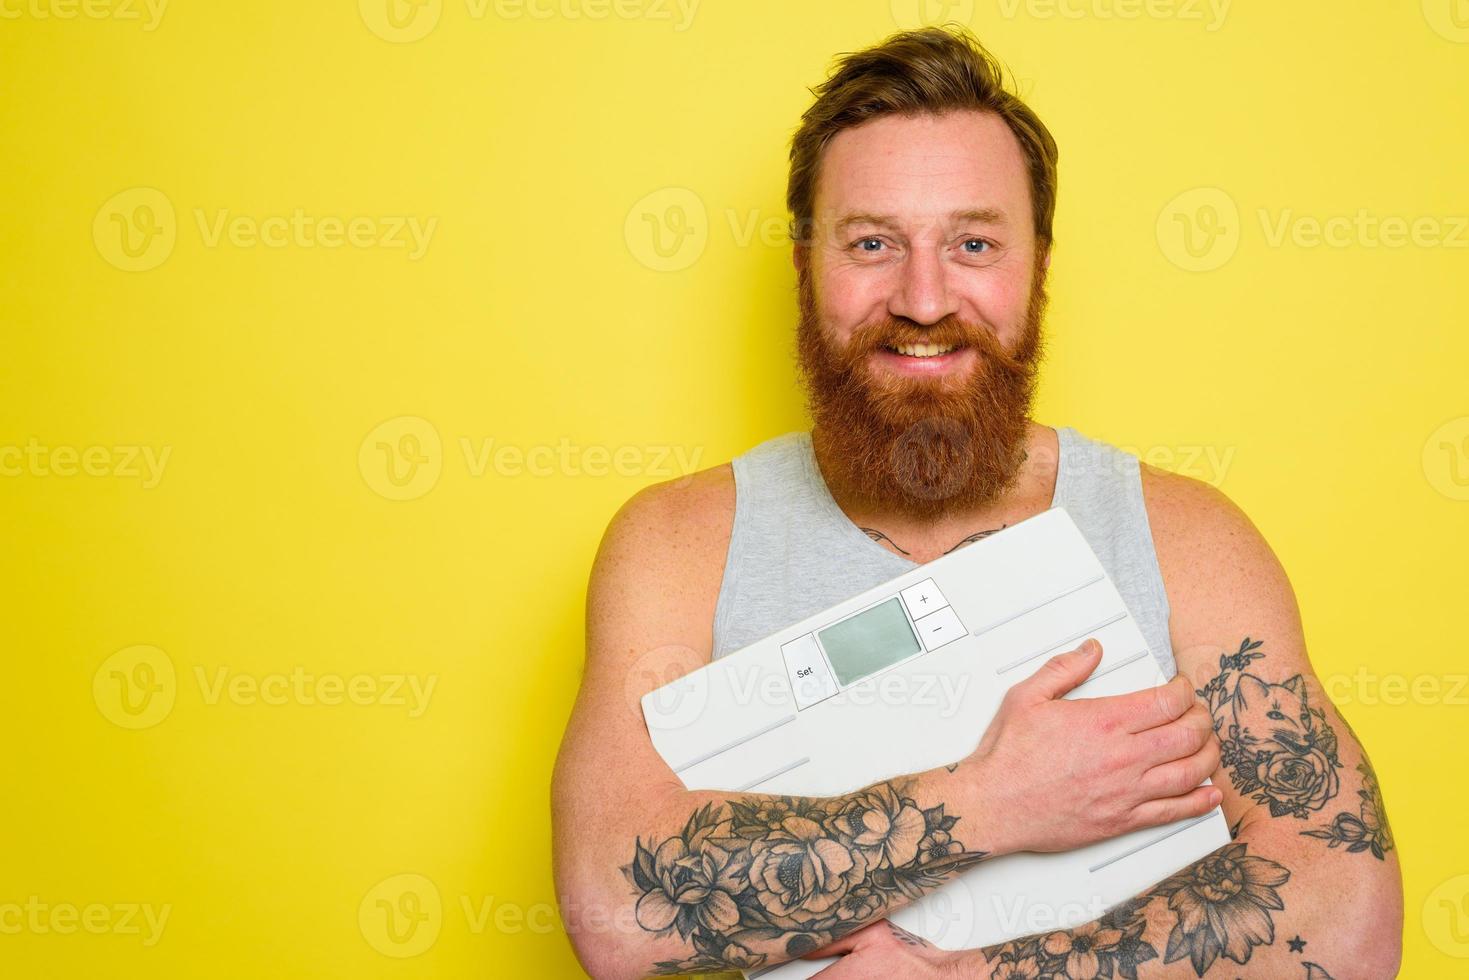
793, 552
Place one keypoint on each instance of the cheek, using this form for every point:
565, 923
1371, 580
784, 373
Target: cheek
999, 302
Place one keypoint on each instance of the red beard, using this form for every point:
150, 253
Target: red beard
922, 446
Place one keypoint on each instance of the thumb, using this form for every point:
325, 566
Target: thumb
849, 943
1064, 671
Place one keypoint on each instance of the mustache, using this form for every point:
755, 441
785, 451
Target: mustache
950, 331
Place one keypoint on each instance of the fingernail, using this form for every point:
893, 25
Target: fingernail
1214, 797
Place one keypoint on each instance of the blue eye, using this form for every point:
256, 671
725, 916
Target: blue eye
977, 241
864, 241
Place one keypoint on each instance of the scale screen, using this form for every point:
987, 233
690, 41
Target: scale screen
869, 641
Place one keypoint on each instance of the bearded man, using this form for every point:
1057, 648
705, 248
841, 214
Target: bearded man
922, 192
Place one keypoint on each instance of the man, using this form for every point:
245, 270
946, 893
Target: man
922, 193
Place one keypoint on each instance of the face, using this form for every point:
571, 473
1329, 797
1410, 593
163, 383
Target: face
922, 293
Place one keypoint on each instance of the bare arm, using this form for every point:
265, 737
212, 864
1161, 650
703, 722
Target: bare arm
1310, 886
655, 878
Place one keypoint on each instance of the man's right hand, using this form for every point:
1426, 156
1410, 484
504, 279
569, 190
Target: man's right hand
1057, 774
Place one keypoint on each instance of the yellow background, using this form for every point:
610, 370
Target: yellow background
548, 149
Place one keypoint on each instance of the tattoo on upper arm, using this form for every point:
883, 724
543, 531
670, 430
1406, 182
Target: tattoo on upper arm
1367, 832
794, 873
1281, 752
1218, 907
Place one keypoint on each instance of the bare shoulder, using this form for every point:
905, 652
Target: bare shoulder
1222, 578
658, 569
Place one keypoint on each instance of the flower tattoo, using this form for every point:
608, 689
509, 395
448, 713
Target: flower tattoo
787, 873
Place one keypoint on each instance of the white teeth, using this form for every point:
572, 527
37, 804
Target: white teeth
923, 350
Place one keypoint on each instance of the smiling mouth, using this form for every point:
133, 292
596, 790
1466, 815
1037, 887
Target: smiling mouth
922, 350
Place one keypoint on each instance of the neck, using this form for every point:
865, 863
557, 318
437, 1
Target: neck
924, 538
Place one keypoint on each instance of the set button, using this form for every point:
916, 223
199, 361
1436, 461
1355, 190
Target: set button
811, 681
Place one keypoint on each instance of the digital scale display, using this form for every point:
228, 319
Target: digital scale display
869, 641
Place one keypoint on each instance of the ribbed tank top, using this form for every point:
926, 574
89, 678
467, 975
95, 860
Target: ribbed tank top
793, 552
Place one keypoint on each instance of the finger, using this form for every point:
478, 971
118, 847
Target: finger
1138, 711
1062, 672
849, 942
1178, 739
1181, 775
1194, 803
844, 968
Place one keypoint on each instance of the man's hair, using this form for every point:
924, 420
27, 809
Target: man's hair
932, 70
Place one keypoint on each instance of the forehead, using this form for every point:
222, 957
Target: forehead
924, 167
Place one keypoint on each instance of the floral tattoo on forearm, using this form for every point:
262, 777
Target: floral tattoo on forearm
1281, 752
1218, 907
790, 873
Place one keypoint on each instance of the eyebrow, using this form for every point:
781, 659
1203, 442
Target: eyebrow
992, 216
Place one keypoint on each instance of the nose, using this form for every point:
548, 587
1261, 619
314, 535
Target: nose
922, 293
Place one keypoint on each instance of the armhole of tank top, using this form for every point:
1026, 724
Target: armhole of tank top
734, 553
1140, 505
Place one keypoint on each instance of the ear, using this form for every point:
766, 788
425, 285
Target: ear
1046, 260
1250, 690
1297, 686
800, 256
